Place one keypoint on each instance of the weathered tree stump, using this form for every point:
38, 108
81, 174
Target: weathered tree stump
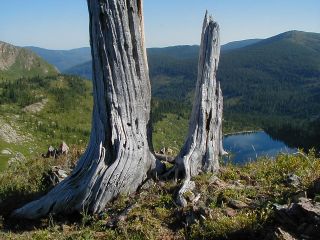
203, 145
118, 158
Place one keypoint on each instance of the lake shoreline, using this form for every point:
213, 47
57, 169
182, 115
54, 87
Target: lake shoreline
243, 132
253, 144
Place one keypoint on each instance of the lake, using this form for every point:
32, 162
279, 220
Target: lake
246, 147
243, 147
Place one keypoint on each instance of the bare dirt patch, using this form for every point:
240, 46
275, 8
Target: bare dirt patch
9, 134
36, 107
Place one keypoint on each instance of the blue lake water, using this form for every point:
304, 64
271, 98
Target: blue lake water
247, 147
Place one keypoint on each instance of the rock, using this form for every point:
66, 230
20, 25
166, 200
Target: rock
56, 175
301, 218
237, 204
293, 180
310, 208
217, 182
316, 186
9, 134
311, 230
283, 235
230, 212
284, 219
298, 195
64, 149
35, 107
314, 189
6, 152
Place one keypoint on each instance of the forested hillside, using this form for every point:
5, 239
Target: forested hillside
277, 82
41, 111
63, 59
272, 84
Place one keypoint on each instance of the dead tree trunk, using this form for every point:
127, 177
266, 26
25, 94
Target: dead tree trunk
118, 158
203, 145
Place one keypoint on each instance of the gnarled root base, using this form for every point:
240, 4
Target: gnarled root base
91, 187
188, 186
203, 145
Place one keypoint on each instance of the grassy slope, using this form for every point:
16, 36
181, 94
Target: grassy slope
66, 116
154, 214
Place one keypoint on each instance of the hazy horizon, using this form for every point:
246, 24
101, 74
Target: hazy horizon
63, 25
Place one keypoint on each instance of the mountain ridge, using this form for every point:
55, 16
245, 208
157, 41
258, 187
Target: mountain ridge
63, 59
16, 62
69, 61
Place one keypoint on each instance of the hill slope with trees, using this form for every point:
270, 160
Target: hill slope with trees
271, 84
63, 59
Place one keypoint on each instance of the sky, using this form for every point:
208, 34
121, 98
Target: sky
63, 24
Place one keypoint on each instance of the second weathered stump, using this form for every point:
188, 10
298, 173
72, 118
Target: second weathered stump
203, 145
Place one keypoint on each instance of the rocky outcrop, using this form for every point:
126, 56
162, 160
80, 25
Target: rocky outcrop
10, 135
16, 62
36, 107
8, 55
301, 219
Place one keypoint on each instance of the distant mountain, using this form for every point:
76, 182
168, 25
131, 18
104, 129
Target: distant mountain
16, 62
83, 70
239, 44
265, 82
64, 59
268, 76
279, 76
78, 61
177, 52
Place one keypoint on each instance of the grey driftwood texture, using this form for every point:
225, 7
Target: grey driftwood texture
203, 145
118, 158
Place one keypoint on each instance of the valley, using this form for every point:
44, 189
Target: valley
268, 83
277, 92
